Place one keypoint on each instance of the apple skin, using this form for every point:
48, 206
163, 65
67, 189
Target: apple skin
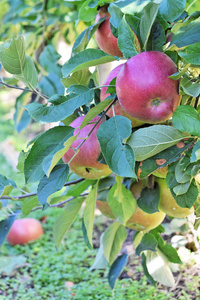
105, 209
141, 220
85, 163
117, 107
168, 204
161, 172
144, 90
24, 231
104, 37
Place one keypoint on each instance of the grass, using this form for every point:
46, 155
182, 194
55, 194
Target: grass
46, 270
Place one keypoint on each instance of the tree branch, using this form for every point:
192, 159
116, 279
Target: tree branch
22, 89
34, 194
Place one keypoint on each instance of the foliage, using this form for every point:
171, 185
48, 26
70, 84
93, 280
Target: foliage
55, 91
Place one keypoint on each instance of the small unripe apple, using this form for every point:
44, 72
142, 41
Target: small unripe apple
168, 204
24, 231
104, 37
118, 110
144, 88
85, 163
141, 220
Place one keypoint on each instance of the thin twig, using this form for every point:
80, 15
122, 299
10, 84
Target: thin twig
34, 194
22, 89
95, 125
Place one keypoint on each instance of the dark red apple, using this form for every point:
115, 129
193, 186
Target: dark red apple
117, 107
144, 88
24, 231
85, 163
104, 37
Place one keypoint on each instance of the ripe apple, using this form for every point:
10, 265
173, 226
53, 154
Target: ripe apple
24, 231
141, 220
85, 163
118, 110
104, 37
144, 88
168, 204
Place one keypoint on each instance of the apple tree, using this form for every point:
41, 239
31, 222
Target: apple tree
129, 143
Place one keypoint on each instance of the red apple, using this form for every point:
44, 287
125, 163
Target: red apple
85, 163
117, 107
104, 37
24, 231
144, 88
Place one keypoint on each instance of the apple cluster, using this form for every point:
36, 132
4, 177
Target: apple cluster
145, 94
141, 220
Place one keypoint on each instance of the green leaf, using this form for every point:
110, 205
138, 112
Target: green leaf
53, 158
83, 39
149, 200
126, 40
60, 108
180, 170
148, 242
113, 239
9, 263
86, 58
121, 201
80, 77
48, 59
189, 87
48, 143
167, 156
55, 182
158, 267
76, 189
5, 226
65, 220
181, 188
149, 141
118, 156
191, 54
100, 261
168, 250
21, 116
146, 272
51, 85
6, 186
186, 118
116, 269
12, 55
148, 17
188, 199
156, 38
88, 215
171, 9
195, 156
28, 204
94, 111
29, 74
187, 35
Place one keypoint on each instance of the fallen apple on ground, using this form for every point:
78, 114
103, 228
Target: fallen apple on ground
24, 231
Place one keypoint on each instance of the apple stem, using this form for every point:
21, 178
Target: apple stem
151, 182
